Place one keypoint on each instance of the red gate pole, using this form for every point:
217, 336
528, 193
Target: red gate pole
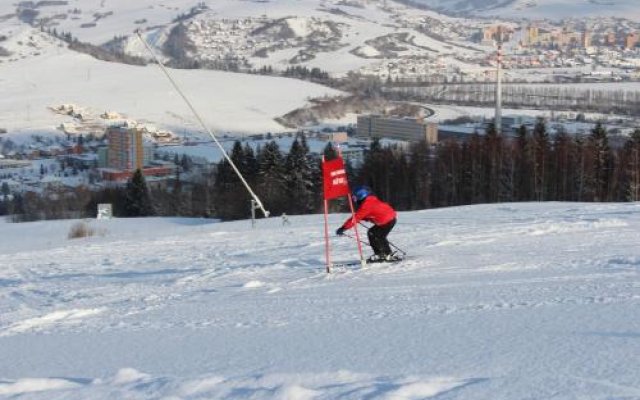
327, 251
355, 225
335, 185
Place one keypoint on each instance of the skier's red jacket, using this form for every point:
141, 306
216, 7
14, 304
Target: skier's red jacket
373, 210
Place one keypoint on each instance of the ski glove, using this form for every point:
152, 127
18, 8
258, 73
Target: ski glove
340, 231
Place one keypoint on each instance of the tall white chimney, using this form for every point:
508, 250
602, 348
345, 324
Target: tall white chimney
498, 116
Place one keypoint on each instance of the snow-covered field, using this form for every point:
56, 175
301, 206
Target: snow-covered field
49, 76
448, 112
506, 301
599, 86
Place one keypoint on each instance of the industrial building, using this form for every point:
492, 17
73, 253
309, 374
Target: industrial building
14, 164
407, 129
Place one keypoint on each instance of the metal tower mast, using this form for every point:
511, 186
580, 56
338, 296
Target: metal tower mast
498, 115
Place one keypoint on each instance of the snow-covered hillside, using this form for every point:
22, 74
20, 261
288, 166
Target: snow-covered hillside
316, 33
98, 21
538, 9
507, 301
42, 74
559, 9
37, 71
384, 39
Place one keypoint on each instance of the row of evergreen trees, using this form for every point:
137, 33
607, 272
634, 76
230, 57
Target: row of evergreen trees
532, 166
491, 168
285, 183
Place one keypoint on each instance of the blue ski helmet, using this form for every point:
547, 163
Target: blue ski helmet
360, 193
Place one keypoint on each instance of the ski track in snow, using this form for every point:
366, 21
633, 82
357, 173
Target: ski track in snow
133, 384
519, 276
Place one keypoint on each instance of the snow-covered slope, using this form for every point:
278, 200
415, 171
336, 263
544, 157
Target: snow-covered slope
559, 9
98, 21
278, 33
38, 71
42, 75
460, 6
506, 301
538, 9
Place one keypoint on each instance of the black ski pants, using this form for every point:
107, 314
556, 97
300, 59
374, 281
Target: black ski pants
378, 238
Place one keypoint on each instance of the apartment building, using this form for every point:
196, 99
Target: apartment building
127, 150
408, 129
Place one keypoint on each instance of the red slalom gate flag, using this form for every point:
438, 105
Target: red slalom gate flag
334, 179
336, 184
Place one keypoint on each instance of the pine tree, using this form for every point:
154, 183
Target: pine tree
632, 148
231, 197
602, 166
250, 162
448, 174
466, 174
329, 152
419, 159
17, 207
580, 158
562, 168
491, 164
507, 173
373, 171
203, 201
238, 157
137, 198
303, 142
401, 187
272, 179
224, 175
541, 147
300, 179
176, 159
178, 198
186, 163
473, 169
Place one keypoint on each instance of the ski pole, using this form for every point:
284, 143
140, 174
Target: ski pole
397, 248
390, 243
353, 237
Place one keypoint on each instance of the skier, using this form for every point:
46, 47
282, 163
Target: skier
285, 219
381, 214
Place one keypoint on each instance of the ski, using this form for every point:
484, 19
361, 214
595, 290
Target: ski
392, 261
346, 264
357, 263
393, 258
